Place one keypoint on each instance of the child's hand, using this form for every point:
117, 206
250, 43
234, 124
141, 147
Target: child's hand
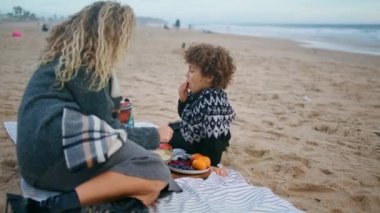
166, 133
183, 91
219, 171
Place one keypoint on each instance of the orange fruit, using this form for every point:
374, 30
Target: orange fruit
196, 156
199, 164
206, 160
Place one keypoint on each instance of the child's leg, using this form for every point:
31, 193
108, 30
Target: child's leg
178, 141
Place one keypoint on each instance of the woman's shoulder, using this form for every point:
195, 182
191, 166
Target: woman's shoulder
43, 73
48, 65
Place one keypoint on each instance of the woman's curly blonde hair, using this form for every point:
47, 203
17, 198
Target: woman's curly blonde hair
214, 61
94, 38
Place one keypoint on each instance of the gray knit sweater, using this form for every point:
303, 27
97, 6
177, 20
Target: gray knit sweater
39, 137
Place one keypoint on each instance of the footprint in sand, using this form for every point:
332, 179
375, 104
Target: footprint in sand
277, 134
268, 123
326, 171
294, 169
377, 178
313, 143
8, 163
295, 124
311, 187
294, 157
325, 128
252, 155
302, 105
275, 97
336, 211
257, 153
362, 200
313, 114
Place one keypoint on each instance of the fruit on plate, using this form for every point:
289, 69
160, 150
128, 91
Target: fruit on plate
164, 154
182, 162
207, 160
200, 162
196, 156
190, 162
165, 146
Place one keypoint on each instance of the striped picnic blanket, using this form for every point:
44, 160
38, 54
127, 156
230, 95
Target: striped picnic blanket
228, 194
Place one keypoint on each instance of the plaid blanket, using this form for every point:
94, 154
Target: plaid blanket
88, 140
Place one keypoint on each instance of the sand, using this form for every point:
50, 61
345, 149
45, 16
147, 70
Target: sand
306, 118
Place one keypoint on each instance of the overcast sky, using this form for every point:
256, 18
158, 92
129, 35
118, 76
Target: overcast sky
225, 11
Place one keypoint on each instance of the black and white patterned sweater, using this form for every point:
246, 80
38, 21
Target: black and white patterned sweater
207, 114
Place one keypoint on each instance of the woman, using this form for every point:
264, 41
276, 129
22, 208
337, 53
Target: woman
68, 140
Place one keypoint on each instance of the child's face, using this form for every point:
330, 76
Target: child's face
196, 81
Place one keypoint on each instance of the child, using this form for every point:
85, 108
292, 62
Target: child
203, 106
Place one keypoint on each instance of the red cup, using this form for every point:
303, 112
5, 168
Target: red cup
165, 146
125, 111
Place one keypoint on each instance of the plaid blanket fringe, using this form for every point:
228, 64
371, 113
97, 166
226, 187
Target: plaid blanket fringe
88, 140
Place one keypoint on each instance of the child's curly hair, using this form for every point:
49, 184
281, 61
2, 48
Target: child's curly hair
214, 61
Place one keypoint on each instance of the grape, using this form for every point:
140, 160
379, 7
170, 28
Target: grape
177, 164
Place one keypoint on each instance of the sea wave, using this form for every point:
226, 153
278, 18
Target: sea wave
363, 39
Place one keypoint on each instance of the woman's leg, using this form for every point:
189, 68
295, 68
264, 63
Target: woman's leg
131, 172
110, 186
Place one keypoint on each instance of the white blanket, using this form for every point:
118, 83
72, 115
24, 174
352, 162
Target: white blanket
215, 194
222, 194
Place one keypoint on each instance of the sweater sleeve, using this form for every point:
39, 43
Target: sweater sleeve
101, 104
180, 107
146, 137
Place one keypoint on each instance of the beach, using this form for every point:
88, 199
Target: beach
307, 125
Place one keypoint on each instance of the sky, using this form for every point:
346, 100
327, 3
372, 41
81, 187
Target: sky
225, 11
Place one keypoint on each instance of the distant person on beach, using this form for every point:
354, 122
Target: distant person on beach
177, 24
68, 140
44, 28
203, 106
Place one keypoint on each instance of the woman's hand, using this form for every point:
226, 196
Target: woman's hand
219, 171
183, 91
166, 133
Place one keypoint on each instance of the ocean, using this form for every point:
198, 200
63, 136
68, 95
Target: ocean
355, 38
